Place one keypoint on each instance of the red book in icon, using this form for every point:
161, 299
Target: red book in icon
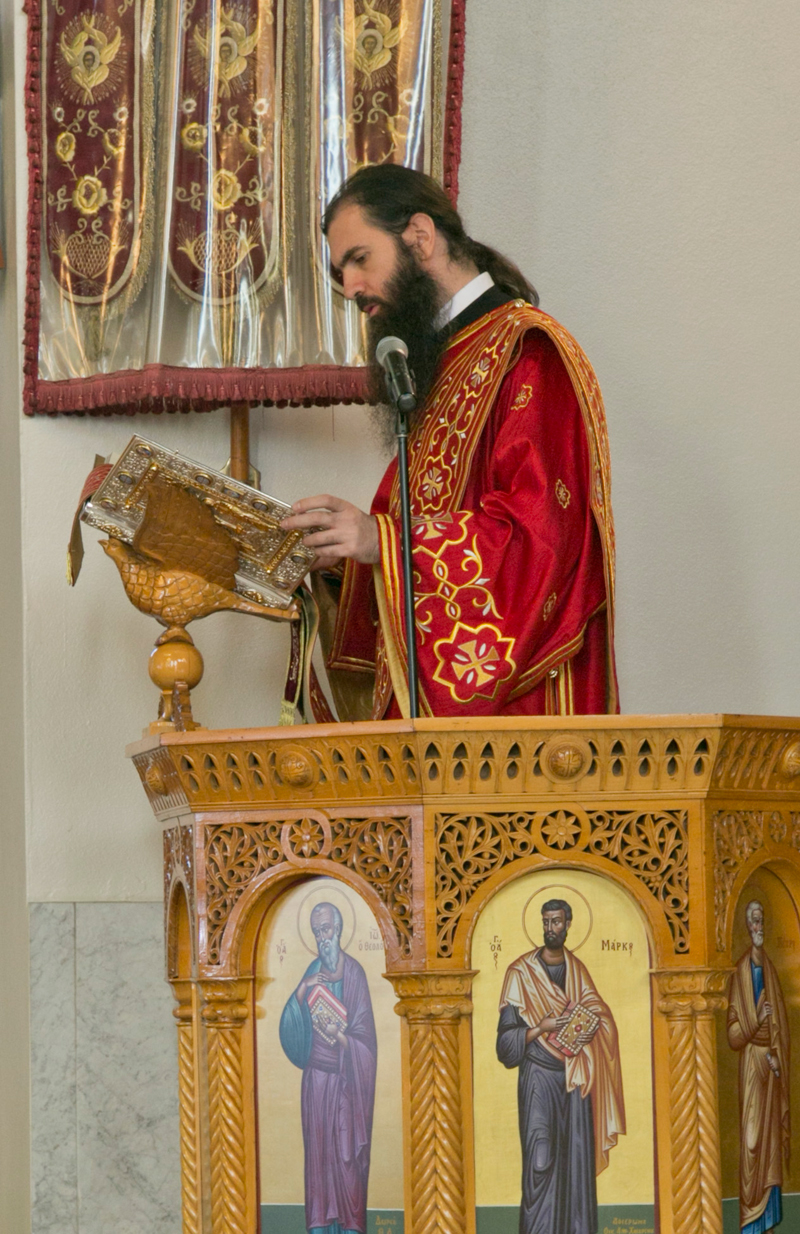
328, 1015
581, 1020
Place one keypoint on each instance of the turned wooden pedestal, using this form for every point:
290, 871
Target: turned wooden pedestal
426, 820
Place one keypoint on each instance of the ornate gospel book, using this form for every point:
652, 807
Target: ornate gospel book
581, 1020
328, 1015
144, 494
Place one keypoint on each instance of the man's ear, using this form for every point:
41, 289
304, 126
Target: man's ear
420, 236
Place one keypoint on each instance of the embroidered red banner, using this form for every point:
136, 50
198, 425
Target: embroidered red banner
98, 152
225, 199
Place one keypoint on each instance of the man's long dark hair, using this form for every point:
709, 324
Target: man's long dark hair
390, 194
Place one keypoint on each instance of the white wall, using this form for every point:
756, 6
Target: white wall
640, 161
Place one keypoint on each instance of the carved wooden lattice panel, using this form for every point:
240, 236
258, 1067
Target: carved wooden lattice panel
757, 759
377, 849
738, 834
543, 763
266, 772
179, 855
651, 845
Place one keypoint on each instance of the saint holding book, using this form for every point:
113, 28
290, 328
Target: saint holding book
556, 1029
327, 1029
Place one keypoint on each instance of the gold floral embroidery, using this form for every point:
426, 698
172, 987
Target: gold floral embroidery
466, 665
523, 398
474, 660
562, 493
433, 482
89, 195
226, 189
65, 147
549, 605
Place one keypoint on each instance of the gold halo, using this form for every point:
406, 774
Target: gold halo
576, 918
326, 891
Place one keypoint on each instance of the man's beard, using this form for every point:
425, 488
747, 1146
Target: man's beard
757, 937
407, 312
328, 949
554, 939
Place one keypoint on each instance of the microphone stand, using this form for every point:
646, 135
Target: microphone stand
402, 407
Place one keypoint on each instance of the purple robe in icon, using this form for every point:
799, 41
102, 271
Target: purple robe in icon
336, 1103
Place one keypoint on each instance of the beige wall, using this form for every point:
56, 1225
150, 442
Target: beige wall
14, 1119
639, 159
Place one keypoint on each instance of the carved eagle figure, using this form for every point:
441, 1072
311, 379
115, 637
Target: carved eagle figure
182, 563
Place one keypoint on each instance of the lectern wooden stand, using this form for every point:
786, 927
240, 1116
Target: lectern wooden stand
427, 821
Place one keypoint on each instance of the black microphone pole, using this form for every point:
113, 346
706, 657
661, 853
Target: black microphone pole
391, 354
408, 566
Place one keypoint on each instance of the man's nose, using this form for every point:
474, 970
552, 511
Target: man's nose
352, 283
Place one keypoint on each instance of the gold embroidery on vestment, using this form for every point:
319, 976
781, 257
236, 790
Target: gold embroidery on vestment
523, 398
549, 605
562, 493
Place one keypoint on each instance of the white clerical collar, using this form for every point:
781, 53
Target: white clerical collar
463, 298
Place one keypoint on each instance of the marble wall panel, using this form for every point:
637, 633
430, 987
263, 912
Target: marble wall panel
54, 1168
126, 1050
104, 1112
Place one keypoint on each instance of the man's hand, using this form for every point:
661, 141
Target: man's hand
764, 1010
342, 530
551, 1023
773, 1063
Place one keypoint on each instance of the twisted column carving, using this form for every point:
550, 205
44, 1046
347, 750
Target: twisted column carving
188, 1109
432, 1005
688, 1000
224, 1014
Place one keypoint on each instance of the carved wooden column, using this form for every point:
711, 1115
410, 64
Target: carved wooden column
434, 1006
689, 999
227, 1021
189, 1087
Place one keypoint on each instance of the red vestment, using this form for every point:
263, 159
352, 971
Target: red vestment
512, 537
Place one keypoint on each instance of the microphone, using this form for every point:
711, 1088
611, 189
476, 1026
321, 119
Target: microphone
392, 355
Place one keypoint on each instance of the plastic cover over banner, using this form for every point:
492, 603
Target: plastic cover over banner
181, 154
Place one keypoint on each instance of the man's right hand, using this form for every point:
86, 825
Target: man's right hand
334, 529
764, 1010
551, 1023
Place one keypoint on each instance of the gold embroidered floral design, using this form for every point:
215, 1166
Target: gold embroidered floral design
433, 482
524, 396
89, 195
114, 143
225, 189
562, 494
549, 605
193, 135
456, 571
480, 371
466, 665
65, 147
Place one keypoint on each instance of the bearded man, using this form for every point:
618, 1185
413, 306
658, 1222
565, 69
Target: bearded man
758, 1028
571, 1108
512, 533
327, 1029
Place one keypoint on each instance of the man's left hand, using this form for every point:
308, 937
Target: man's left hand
341, 530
